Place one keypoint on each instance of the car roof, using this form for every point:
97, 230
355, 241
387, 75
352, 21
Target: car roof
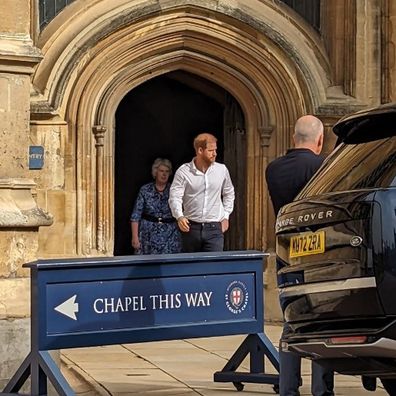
367, 125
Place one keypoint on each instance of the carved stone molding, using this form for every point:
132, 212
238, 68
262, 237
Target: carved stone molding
350, 48
265, 135
99, 133
386, 39
18, 207
18, 55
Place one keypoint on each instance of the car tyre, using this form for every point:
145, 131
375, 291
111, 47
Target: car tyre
389, 385
369, 383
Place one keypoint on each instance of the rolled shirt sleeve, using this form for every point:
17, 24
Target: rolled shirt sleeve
176, 194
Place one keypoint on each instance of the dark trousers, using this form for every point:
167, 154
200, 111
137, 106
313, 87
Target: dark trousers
322, 380
203, 237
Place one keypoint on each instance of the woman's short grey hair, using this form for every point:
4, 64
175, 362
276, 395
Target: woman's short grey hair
157, 163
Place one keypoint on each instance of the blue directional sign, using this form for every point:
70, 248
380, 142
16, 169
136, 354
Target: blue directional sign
96, 306
114, 300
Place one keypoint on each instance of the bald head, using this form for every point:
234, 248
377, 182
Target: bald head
308, 133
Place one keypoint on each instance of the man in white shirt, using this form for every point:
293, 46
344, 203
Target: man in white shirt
202, 198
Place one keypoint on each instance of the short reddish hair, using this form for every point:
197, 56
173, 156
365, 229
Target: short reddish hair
202, 140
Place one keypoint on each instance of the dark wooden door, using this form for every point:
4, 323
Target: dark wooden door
235, 159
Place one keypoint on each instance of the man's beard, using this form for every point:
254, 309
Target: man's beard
209, 161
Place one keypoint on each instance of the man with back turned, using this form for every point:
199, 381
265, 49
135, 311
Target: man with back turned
286, 176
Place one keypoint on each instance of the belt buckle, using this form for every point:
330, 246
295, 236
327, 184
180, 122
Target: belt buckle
160, 220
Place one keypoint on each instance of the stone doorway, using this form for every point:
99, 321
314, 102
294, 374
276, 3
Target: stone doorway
160, 118
275, 71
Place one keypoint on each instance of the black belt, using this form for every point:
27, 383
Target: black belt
208, 223
158, 219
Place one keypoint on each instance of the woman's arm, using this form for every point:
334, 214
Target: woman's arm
135, 235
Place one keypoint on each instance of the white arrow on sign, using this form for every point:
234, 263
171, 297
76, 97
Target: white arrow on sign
68, 307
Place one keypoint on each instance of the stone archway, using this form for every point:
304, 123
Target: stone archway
94, 59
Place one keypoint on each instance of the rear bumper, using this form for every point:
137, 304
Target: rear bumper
326, 287
382, 348
375, 357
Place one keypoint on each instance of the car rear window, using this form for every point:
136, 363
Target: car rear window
355, 167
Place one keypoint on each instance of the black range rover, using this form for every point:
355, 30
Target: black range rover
336, 248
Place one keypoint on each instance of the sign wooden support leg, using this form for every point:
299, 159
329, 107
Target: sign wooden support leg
40, 367
54, 374
258, 346
20, 377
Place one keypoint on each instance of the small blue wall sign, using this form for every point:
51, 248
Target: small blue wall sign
36, 157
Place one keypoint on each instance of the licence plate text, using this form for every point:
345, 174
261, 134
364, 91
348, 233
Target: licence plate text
307, 243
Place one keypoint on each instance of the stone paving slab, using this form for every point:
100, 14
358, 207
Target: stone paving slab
176, 368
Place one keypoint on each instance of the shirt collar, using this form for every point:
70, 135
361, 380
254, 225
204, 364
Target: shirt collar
299, 150
196, 170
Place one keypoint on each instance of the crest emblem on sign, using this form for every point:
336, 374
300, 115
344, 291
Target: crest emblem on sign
236, 297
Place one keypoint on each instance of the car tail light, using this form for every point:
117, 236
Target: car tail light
348, 340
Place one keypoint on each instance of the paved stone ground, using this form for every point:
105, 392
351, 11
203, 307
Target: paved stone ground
176, 368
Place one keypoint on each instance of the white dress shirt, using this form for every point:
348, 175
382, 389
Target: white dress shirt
202, 197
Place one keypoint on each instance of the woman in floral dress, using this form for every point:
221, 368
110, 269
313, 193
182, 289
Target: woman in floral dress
154, 230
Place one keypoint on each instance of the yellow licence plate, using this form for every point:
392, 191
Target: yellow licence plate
307, 243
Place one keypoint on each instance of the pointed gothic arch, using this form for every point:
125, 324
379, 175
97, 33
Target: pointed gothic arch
93, 60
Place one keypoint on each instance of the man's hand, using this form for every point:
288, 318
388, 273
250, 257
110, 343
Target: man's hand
183, 224
224, 225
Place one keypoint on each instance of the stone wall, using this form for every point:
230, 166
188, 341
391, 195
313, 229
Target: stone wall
20, 217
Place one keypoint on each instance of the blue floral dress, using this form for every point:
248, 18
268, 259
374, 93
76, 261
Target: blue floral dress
155, 237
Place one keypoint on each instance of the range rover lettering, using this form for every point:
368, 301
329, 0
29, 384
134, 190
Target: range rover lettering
336, 247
